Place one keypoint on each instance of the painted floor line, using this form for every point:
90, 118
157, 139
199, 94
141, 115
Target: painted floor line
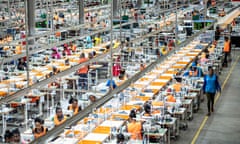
216, 99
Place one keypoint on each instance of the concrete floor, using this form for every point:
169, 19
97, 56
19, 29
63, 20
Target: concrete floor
222, 127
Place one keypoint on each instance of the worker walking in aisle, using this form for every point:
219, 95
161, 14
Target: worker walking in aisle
210, 87
39, 129
226, 50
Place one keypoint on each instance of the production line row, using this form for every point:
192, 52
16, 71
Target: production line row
155, 89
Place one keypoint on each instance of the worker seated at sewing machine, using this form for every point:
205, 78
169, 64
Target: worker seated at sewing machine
59, 118
194, 71
74, 106
134, 127
39, 129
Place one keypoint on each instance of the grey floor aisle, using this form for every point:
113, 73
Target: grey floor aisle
223, 127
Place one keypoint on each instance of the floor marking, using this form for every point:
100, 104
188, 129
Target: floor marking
227, 78
199, 130
218, 95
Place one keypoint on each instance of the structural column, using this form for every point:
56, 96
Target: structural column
176, 23
30, 29
157, 3
139, 3
115, 7
31, 17
81, 12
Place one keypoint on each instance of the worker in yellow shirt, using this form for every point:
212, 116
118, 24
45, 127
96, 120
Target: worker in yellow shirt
59, 118
74, 106
171, 98
97, 40
18, 49
142, 67
164, 49
73, 47
134, 127
55, 17
39, 129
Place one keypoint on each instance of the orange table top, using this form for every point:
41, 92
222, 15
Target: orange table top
165, 77
157, 103
141, 98
182, 62
102, 129
179, 66
171, 72
192, 54
158, 83
120, 116
130, 107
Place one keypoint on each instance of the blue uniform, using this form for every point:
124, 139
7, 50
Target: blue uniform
199, 72
111, 83
211, 84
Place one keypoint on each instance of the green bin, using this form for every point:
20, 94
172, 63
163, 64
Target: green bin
125, 17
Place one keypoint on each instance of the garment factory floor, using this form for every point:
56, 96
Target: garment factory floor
222, 127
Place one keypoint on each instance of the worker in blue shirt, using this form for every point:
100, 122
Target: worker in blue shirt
111, 84
210, 87
89, 43
194, 71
